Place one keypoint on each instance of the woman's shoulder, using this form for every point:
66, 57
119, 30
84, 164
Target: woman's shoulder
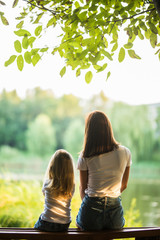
123, 148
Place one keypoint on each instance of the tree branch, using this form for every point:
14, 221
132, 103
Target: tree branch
41, 7
157, 5
126, 18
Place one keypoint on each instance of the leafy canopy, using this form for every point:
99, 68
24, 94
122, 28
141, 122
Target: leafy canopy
90, 31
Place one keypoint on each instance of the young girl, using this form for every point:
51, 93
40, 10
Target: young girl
104, 167
58, 189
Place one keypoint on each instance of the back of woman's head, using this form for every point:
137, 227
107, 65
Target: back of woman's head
61, 174
98, 135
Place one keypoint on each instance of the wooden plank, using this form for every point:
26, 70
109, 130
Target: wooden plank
75, 234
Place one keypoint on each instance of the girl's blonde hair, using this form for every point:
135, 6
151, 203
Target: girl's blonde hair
60, 173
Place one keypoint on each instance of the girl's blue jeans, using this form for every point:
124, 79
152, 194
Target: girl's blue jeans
98, 213
50, 226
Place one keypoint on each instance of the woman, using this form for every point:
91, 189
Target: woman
104, 167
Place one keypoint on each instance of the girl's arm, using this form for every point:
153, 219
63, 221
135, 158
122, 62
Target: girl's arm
83, 182
125, 179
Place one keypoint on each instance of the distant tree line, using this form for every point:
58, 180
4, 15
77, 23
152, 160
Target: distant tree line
41, 123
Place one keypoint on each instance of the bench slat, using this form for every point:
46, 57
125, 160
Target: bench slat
75, 234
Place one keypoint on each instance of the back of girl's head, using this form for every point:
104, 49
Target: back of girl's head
98, 135
60, 172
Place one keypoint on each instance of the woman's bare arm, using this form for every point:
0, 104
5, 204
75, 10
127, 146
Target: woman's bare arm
83, 182
125, 179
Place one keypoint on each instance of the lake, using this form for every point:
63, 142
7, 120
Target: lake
147, 194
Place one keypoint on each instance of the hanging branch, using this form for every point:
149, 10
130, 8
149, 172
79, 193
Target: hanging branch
157, 5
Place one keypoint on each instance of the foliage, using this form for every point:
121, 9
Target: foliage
138, 136
132, 215
92, 31
7, 152
137, 127
73, 138
41, 136
17, 114
12, 122
21, 203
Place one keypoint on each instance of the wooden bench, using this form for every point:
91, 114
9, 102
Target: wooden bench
75, 234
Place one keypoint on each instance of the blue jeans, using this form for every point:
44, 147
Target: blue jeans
50, 226
98, 213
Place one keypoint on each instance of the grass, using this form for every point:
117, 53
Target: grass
22, 203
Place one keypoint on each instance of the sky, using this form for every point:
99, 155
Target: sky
132, 81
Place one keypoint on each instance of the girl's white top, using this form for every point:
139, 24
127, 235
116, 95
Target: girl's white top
105, 172
56, 209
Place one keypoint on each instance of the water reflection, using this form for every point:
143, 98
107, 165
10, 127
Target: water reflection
147, 194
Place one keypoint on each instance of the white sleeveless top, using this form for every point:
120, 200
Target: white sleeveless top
57, 209
105, 172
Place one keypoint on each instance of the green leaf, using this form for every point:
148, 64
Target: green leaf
17, 46
20, 25
10, 60
63, 71
140, 35
83, 16
107, 54
105, 42
97, 67
4, 20
15, 3
115, 46
38, 30
2, 3
20, 62
128, 45
75, 44
148, 33
135, 30
153, 40
31, 40
121, 55
39, 16
157, 51
77, 4
51, 22
102, 68
108, 75
152, 27
78, 72
143, 26
25, 42
35, 59
132, 54
34, 51
97, 57
44, 49
27, 57
130, 6
22, 32
88, 77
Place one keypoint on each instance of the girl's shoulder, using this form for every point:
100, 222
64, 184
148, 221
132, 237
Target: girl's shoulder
46, 184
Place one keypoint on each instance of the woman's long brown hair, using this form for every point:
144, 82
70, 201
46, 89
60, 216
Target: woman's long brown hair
98, 137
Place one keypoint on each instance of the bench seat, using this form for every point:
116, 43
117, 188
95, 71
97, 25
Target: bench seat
76, 234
